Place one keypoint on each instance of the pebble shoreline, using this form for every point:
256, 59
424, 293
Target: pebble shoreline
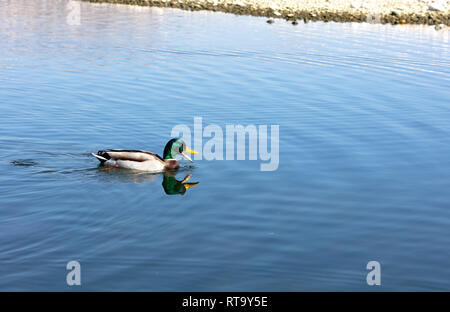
427, 12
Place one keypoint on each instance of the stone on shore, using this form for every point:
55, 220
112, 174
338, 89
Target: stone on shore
436, 6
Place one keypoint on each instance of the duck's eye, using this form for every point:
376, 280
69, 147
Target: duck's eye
181, 149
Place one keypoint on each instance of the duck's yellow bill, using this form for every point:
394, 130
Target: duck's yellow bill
186, 156
189, 185
188, 150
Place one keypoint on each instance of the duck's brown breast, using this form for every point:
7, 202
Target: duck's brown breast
171, 164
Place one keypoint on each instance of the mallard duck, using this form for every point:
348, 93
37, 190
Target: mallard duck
146, 161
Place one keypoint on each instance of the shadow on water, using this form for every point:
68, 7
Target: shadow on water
170, 184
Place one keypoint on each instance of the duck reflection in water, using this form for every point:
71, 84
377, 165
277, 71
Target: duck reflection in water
170, 184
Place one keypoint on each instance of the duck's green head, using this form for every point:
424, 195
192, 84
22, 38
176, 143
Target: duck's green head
177, 147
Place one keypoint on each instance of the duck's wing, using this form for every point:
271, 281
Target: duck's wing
131, 155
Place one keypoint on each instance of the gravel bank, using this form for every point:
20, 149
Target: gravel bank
431, 12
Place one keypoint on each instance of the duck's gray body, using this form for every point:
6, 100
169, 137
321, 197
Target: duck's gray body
136, 160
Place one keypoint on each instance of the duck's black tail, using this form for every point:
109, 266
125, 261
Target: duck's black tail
100, 156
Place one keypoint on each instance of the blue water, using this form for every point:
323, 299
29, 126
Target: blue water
364, 168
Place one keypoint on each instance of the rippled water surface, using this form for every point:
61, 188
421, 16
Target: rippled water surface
364, 171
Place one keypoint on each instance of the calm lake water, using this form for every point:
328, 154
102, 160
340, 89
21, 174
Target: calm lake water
364, 170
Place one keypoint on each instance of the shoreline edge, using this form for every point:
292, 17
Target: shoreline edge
372, 11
